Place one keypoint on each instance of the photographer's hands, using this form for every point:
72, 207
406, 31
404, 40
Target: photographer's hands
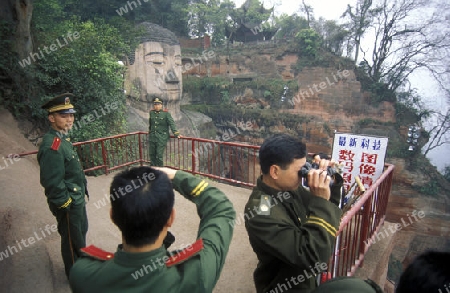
319, 181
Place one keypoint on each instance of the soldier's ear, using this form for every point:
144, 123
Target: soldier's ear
274, 171
51, 118
111, 216
171, 218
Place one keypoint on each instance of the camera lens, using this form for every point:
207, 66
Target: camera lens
303, 173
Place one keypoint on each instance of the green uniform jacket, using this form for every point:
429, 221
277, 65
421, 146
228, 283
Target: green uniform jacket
61, 173
159, 123
291, 237
147, 272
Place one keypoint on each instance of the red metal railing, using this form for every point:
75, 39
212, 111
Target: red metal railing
237, 163
360, 225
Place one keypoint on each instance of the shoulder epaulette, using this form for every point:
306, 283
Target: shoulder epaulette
265, 205
185, 254
56, 143
97, 253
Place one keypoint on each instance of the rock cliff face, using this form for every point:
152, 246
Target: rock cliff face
329, 97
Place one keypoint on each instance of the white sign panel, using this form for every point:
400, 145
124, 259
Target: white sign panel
360, 155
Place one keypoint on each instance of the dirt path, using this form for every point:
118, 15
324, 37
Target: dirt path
31, 260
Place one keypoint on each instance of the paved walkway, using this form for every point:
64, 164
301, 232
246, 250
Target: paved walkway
35, 264
30, 259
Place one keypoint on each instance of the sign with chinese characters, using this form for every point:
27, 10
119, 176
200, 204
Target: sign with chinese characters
359, 155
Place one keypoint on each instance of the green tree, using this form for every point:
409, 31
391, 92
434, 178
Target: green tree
85, 63
440, 132
251, 14
308, 43
404, 43
209, 17
289, 25
360, 18
333, 35
447, 173
308, 10
168, 14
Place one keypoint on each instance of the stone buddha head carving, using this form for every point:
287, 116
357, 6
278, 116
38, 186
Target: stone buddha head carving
154, 70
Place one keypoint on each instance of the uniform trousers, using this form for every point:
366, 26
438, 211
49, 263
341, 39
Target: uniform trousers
72, 227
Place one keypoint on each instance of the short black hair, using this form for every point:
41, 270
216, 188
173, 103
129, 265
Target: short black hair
144, 208
281, 150
324, 156
429, 272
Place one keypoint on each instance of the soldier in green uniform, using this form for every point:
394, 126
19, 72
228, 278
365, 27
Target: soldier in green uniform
291, 229
159, 123
63, 179
143, 215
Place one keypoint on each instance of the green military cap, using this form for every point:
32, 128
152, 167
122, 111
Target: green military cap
348, 284
60, 104
157, 101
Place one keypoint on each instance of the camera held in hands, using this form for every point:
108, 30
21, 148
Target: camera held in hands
335, 176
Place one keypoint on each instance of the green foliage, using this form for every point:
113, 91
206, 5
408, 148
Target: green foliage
308, 43
267, 94
431, 188
225, 97
398, 149
262, 117
327, 128
289, 25
395, 269
83, 61
216, 90
333, 35
380, 91
169, 14
220, 18
412, 105
14, 80
5, 45
447, 173
251, 13
209, 17
365, 122
208, 89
